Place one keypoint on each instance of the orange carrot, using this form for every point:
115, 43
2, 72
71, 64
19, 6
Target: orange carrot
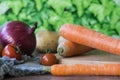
61, 39
67, 48
85, 69
91, 38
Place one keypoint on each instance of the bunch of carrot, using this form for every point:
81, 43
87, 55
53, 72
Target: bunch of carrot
80, 36
84, 36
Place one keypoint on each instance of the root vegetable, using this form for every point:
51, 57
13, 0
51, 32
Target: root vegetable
91, 38
86, 69
47, 40
67, 48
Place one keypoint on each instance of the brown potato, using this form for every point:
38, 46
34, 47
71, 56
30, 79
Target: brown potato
47, 40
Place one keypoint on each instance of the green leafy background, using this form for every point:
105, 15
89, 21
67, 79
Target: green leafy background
100, 15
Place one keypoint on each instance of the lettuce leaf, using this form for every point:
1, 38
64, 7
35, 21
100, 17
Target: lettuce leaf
4, 7
100, 15
98, 11
59, 5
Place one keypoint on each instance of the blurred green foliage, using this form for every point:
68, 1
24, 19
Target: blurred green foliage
100, 15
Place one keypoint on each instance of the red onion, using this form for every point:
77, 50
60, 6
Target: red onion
20, 34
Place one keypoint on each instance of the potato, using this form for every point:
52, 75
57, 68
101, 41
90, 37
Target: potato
47, 40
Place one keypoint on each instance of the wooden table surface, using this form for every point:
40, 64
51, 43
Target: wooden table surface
50, 77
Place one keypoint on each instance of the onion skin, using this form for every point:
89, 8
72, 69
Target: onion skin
19, 34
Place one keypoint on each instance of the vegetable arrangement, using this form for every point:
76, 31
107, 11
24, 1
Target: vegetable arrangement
69, 31
79, 35
18, 38
100, 15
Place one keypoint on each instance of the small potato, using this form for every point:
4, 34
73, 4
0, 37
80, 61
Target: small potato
47, 40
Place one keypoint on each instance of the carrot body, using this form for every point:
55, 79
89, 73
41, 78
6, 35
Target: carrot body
61, 39
68, 49
91, 38
85, 69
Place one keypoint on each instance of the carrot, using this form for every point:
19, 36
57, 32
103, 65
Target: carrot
61, 39
85, 69
91, 38
67, 48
